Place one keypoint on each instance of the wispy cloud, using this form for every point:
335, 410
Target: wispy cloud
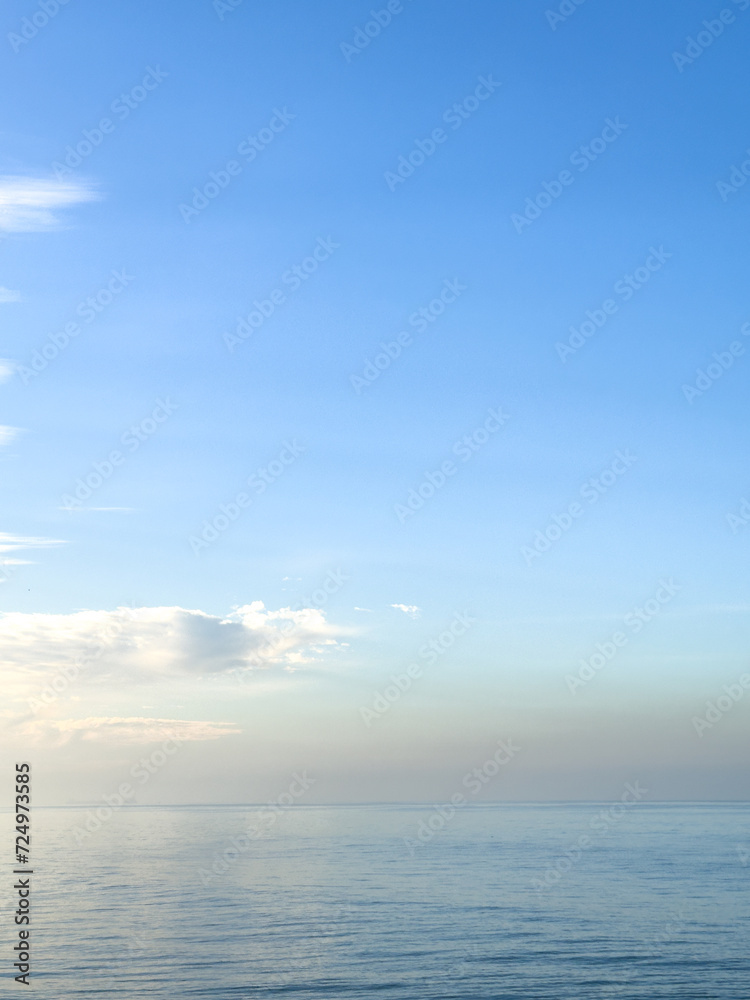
31, 204
85, 510
7, 434
114, 729
409, 609
12, 543
7, 368
8, 295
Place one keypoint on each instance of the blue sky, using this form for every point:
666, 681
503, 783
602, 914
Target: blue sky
330, 127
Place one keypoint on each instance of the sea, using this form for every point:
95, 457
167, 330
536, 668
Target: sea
398, 902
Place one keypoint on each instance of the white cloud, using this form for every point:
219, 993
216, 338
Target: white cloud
30, 204
7, 434
122, 730
7, 368
158, 644
7, 295
86, 510
409, 609
12, 543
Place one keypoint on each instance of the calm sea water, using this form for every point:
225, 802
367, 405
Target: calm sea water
331, 902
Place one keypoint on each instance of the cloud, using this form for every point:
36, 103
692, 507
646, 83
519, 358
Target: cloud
7, 368
123, 730
409, 609
7, 434
144, 645
30, 204
12, 543
79, 510
7, 295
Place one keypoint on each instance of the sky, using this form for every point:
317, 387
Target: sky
373, 391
